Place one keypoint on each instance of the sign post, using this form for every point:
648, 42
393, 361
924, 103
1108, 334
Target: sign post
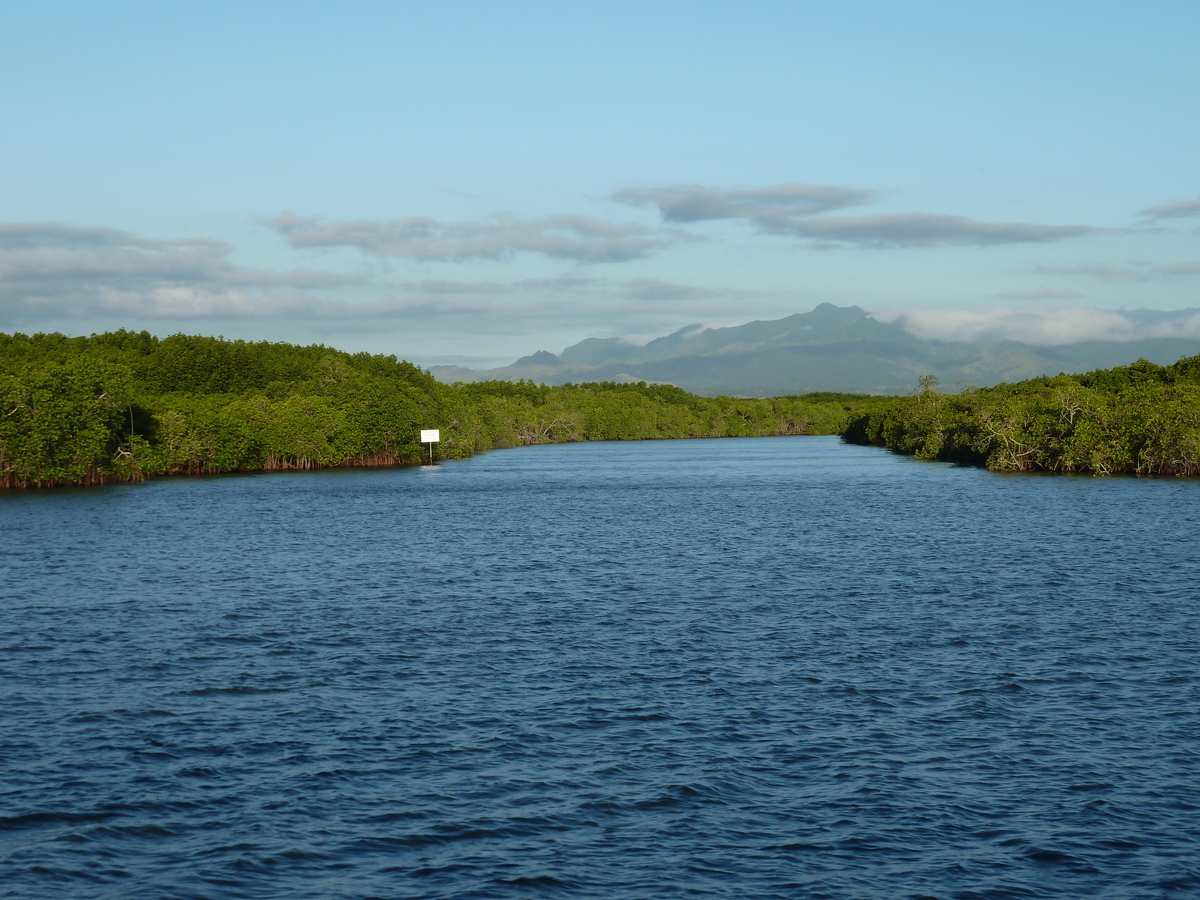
430, 436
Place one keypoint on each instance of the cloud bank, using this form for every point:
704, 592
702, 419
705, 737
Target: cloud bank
65, 276
56, 276
585, 239
47, 268
1045, 327
796, 210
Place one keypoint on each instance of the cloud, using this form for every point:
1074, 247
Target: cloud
1191, 268
535, 309
1040, 294
634, 288
924, 230
1104, 272
1134, 271
579, 238
693, 203
1173, 210
47, 268
796, 210
662, 291
1045, 327
1160, 319
566, 284
478, 315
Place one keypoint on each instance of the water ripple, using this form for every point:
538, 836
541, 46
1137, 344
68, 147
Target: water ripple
760, 668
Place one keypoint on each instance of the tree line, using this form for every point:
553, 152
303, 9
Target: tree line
125, 406
1141, 419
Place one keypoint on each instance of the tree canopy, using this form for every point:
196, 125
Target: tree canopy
127, 405
1140, 419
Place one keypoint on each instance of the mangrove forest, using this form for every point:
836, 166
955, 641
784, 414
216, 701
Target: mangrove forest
1141, 419
125, 406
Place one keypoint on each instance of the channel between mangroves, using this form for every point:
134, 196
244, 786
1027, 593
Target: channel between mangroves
126, 406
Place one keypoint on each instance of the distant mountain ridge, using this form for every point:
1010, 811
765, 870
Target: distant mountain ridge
832, 348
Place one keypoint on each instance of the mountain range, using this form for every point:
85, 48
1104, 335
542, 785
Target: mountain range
832, 348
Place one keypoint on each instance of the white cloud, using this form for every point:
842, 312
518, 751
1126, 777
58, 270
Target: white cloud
578, 238
50, 269
1043, 327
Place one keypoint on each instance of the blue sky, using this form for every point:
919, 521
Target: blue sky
473, 181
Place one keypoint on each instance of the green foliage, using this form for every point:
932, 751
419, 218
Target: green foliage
1141, 419
127, 405
63, 423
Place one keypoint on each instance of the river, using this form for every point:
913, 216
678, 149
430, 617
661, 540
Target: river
768, 668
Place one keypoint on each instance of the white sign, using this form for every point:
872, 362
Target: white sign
430, 435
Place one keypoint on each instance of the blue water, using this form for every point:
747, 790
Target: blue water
742, 668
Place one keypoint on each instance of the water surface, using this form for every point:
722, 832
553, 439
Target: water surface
736, 668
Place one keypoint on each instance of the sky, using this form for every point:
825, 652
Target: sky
469, 182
